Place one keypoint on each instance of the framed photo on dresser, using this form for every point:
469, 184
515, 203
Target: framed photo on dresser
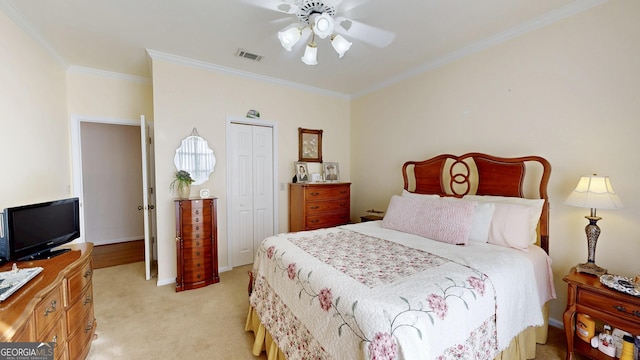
331, 171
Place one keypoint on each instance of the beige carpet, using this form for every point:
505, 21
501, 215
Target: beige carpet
138, 320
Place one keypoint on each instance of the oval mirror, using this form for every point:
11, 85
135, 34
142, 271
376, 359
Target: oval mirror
195, 157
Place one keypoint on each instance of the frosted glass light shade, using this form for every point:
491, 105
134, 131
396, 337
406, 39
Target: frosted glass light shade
594, 192
310, 56
323, 25
340, 44
288, 38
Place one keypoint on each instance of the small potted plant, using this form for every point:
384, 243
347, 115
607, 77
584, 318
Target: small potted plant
183, 181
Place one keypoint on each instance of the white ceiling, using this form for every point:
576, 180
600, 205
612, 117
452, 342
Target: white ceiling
113, 35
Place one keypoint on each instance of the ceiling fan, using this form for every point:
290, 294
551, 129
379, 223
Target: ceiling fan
318, 18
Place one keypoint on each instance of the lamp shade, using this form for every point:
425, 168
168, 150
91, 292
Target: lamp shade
310, 56
340, 44
594, 192
288, 38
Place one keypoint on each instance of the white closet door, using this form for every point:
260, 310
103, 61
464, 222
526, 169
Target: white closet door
251, 185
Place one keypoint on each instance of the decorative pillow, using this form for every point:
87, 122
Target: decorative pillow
482, 215
510, 226
534, 205
437, 219
428, 196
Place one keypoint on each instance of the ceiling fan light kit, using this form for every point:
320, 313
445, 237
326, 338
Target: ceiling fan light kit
319, 19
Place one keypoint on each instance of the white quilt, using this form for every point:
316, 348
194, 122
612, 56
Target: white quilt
364, 292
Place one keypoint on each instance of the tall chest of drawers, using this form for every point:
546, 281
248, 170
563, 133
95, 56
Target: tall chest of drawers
318, 205
196, 243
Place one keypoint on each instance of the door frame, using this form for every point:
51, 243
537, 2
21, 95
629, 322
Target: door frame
274, 137
76, 158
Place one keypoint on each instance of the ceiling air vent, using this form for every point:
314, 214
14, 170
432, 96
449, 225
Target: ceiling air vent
247, 55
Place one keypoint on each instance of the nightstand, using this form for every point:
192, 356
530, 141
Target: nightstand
588, 296
370, 218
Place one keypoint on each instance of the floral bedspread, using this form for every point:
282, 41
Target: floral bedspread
332, 292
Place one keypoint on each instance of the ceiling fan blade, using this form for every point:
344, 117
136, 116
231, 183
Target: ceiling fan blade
365, 33
282, 6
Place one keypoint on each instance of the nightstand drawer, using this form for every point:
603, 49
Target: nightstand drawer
614, 307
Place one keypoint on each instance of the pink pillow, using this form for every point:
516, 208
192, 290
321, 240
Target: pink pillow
445, 220
510, 226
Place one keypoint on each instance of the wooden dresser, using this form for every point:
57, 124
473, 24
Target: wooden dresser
196, 243
318, 205
55, 306
588, 296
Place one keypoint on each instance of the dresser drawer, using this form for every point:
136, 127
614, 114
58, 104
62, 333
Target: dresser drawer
196, 231
616, 307
326, 220
78, 281
325, 206
48, 311
80, 340
57, 335
79, 310
196, 271
325, 192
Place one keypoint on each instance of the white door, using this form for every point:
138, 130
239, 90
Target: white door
147, 196
251, 189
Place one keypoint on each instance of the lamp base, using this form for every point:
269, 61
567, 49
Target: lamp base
590, 268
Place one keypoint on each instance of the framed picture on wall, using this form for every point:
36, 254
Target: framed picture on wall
302, 172
309, 145
331, 171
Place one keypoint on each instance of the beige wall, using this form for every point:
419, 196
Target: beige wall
567, 92
190, 96
34, 131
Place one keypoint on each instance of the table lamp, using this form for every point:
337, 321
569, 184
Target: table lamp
593, 192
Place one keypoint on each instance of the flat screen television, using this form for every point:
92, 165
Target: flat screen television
31, 232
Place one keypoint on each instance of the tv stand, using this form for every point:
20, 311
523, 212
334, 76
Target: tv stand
47, 254
55, 306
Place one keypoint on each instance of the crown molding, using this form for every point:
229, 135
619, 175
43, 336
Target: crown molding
549, 18
107, 74
158, 55
8, 8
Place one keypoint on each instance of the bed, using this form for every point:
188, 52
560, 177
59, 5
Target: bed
457, 269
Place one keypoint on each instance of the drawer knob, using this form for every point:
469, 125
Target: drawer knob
315, 207
314, 221
51, 308
87, 273
89, 326
55, 341
197, 220
197, 212
87, 300
315, 194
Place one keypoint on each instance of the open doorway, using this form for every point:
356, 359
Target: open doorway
108, 170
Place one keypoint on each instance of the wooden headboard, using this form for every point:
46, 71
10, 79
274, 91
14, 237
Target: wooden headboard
482, 174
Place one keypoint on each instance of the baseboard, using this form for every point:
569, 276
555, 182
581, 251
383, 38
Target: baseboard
556, 323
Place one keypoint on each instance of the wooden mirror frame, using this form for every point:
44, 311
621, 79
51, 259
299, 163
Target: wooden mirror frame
310, 153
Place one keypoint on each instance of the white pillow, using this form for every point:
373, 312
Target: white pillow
482, 215
510, 226
534, 205
428, 196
